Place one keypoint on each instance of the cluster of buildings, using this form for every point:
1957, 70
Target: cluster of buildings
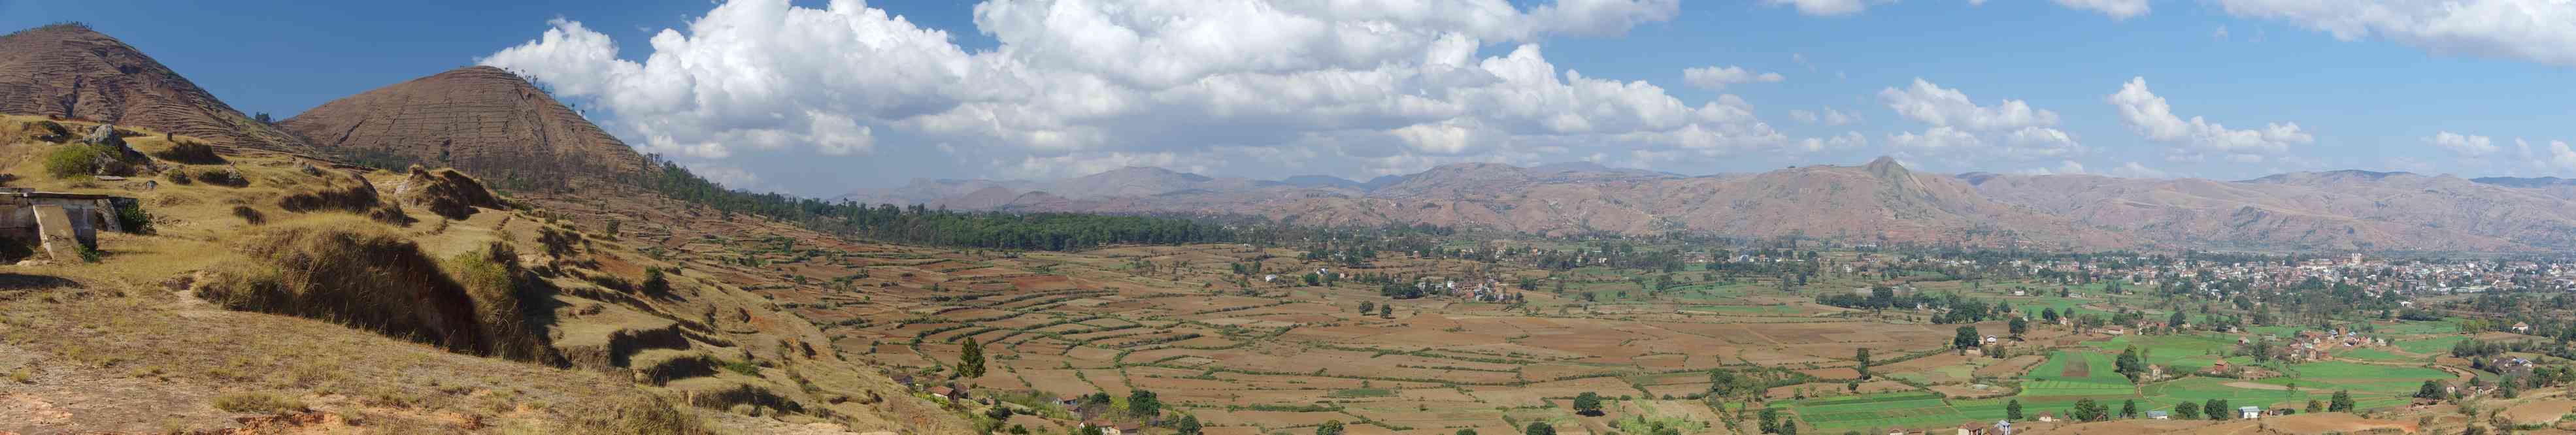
2376, 276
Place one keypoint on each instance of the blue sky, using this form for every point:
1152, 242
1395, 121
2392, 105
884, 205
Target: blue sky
820, 98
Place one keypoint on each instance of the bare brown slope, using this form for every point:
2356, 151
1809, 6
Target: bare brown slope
2320, 210
481, 119
1878, 202
68, 70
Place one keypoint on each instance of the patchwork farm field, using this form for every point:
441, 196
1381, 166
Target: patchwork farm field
1235, 335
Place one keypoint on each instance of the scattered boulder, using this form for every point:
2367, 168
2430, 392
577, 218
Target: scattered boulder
104, 134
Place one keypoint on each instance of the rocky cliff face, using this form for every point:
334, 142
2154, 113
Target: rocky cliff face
70, 71
483, 120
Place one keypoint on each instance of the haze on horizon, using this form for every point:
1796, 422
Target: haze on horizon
819, 98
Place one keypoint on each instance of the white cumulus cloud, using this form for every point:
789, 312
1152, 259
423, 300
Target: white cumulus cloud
1362, 86
2116, 9
2530, 30
2196, 139
2018, 130
2464, 145
1931, 104
1717, 78
1827, 7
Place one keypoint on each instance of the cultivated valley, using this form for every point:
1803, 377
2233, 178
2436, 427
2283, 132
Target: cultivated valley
464, 253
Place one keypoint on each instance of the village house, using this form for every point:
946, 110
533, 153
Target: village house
2249, 412
2521, 327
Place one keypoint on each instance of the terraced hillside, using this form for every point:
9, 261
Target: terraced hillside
481, 119
68, 70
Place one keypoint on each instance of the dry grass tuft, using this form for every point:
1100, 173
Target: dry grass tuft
259, 403
356, 196
447, 192
504, 294
191, 153
223, 177
360, 274
641, 415
249, 215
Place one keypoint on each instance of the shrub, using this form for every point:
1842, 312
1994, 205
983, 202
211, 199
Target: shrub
73, 160
655, 284
191, 152
259, 402
742, 367
179, 177
133, 218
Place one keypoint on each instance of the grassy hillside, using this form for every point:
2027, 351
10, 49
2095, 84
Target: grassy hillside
390, 317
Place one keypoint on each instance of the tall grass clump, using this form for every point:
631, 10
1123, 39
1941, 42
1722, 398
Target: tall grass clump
361, 274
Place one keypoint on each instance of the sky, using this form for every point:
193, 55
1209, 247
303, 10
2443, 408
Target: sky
823, 98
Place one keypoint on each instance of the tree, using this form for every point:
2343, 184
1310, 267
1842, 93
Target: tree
2019, 325
1770, 420
2342, 401
1966, 338
1142, 403
1366, 307
1725, 383
1789, 427
1862, 356
1330, 427
2048, 314
2129, 408
970, 359
2012, 410
1189, 425
1466, 432
2131, 364
2315, 406
2431, 390
1386, 311
1588, 403
1539, 428
2217, 409
2089, 410
2187, 411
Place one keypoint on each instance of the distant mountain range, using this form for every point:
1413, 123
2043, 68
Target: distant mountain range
1879, 202
496, 125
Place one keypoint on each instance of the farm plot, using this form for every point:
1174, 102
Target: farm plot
2362, 378
2071, 374
1912, 409
2195, 390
